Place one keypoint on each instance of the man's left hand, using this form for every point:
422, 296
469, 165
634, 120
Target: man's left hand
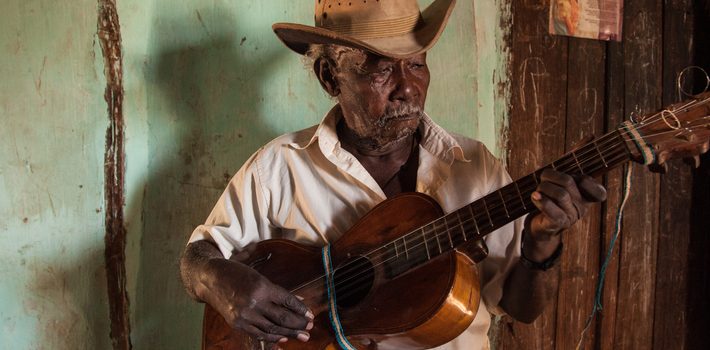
562, 201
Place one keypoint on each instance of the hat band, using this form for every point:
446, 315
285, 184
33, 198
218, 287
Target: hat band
377, 29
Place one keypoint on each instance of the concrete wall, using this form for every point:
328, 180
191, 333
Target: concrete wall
206, 83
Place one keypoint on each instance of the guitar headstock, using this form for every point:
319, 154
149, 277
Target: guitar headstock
681, 130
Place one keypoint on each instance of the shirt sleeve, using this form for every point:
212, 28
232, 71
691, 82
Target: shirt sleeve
240, 215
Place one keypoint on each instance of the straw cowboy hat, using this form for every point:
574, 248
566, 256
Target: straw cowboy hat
391, 28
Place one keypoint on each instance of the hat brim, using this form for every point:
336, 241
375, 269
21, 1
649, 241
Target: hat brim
299, 37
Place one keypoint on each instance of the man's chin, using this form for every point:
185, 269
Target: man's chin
408, 123
401, 131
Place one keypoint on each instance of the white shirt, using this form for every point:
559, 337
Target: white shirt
305, 187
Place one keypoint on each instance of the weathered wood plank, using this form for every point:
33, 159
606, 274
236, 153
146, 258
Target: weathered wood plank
538, 106
670, 327
657, 286
606, 319
637, 267
580, 264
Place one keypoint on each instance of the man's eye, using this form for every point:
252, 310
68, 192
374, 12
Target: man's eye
385, 70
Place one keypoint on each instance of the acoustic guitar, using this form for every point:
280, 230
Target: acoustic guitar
400, 277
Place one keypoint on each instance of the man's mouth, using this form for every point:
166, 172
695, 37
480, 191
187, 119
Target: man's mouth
405, 116
404, 113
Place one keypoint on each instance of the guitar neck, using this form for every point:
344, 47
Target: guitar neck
498, 208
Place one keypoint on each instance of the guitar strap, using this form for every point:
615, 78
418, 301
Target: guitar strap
332, 305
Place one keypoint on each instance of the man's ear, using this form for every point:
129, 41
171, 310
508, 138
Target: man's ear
325, 71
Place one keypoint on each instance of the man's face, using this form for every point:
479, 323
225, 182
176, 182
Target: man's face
382, 98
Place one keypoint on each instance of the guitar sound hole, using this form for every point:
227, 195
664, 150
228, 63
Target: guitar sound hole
353, 280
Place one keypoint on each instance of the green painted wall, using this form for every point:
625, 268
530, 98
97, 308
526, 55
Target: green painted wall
53, 121
206, 83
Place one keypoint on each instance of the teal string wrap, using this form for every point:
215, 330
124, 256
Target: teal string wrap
597, 307
649, 156
332, 305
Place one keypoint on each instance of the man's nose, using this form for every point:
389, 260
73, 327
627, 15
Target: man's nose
405, 88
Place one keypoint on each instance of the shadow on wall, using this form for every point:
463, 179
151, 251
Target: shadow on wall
205, 103
70, 315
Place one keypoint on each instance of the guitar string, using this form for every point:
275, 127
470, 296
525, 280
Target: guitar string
353, 286
461, 225
646, 122
610, 138
417, 250
494, 211
436, 237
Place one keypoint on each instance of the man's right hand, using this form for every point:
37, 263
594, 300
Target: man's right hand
249, 301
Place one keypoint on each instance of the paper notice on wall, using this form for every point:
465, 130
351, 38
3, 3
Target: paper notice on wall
592, 19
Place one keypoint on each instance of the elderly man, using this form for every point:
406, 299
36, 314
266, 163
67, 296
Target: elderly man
311, 186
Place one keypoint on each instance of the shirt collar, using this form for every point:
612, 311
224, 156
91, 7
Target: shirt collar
434, 138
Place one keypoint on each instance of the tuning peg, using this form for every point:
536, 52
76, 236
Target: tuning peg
692, 161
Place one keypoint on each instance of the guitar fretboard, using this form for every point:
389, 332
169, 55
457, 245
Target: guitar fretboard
498, 208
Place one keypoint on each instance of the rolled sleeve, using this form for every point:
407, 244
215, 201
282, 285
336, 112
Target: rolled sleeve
239, 217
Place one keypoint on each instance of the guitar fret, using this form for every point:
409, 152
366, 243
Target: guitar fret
473, 217
596, 147
463, 233
451, 241
485, 206
438, 243
507, 214
522, 201
426, 245
577, 161
406, 250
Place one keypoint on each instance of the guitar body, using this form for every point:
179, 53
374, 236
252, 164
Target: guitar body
419, 309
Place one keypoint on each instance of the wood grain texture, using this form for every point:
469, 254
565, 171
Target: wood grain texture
580, 265
670, 314
537, 118
638, 241
606, 319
